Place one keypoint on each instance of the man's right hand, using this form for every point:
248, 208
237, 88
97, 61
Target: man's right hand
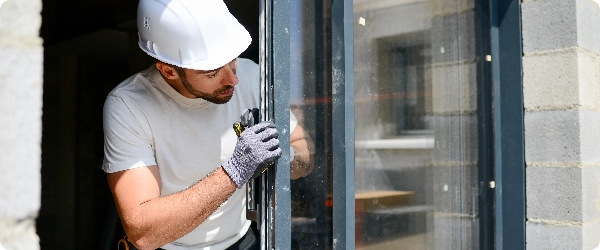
256, 148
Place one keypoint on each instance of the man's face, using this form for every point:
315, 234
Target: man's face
216, 86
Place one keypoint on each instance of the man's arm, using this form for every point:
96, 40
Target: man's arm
151, 221
303, 147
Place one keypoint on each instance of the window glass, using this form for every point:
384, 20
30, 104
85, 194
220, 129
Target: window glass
310, 102
415, 124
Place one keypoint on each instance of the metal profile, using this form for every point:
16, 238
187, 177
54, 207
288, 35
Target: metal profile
342, 36
508, 123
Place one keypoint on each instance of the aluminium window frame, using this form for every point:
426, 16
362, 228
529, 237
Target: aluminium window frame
502, 202
276, 43
342, 68
508, 124
281, 102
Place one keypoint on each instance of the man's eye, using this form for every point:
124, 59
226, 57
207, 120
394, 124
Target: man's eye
213, 75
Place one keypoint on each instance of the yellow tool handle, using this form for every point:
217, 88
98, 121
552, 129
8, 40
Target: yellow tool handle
238, 128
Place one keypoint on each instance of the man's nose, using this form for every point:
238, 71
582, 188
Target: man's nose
230, 76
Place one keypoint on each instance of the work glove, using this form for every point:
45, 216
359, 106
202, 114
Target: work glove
256, 148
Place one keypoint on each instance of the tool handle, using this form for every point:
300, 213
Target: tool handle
249, 118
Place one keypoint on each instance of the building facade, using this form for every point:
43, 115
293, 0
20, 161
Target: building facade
438, 124
560, 86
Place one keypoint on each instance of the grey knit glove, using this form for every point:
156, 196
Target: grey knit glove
256, 148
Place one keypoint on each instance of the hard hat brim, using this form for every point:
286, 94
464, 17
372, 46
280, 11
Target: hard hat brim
225, 55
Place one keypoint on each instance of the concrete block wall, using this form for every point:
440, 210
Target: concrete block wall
561, 83
21, 70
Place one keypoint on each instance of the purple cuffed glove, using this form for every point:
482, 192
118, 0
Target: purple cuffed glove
256, 148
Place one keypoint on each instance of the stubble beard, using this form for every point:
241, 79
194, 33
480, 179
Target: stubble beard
211, 97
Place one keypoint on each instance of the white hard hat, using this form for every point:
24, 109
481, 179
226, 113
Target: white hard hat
193, 34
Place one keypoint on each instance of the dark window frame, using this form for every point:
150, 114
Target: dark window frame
501, 128
508, 124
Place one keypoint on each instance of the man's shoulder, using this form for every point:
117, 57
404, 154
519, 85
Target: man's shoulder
247, 66
248, 72
133, 91
247, 62
133, 84
248, 88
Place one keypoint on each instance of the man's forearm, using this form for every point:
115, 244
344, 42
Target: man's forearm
159, 221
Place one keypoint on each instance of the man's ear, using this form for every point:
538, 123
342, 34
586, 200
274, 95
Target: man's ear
167, 71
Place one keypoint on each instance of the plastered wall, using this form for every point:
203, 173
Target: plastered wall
21, 69
561, 78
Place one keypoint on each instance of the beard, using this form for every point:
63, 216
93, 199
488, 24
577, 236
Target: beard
213, 97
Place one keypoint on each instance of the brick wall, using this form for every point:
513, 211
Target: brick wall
561, 70
21, 56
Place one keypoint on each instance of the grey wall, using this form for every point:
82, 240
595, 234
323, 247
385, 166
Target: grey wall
20, 122
561, 70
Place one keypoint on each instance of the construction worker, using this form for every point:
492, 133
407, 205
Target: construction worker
174, 164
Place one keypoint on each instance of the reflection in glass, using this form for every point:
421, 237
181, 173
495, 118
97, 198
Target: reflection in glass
310, 102
415, 123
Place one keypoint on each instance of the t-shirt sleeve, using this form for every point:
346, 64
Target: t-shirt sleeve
126, 144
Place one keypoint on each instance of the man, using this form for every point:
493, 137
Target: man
174, 164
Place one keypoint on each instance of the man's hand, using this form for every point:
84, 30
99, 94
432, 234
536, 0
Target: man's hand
256, 148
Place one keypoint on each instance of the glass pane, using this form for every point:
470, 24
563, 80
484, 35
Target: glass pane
416, 124
310, 102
